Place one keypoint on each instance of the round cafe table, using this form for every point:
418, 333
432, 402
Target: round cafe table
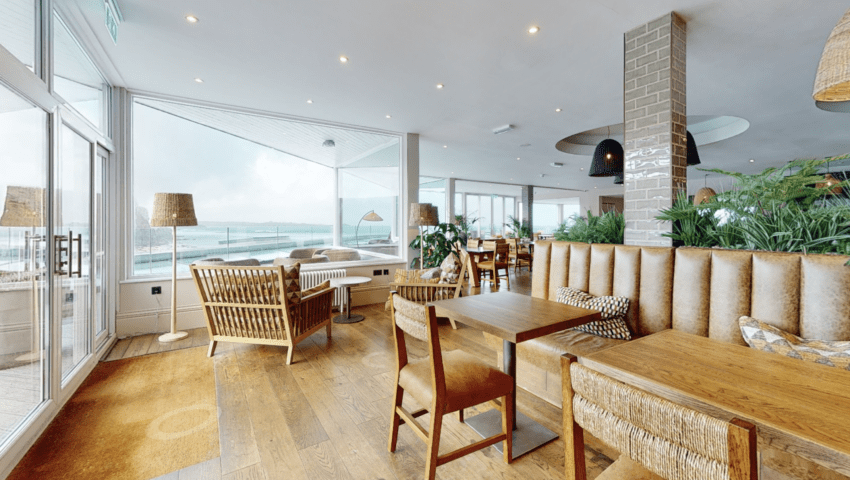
348, 282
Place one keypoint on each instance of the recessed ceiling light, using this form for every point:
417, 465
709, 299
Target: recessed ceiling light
534, 29
582, 169
440, 85
558, 110
309, 101
445, 146
517, 158
752, 160
191, 19
343, 59
389, 116
199, 80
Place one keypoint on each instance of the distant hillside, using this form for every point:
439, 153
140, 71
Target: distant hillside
263, 224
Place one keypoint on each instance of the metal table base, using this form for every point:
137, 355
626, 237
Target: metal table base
528, 434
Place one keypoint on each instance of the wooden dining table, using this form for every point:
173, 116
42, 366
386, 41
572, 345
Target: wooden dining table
514, 318
797, 406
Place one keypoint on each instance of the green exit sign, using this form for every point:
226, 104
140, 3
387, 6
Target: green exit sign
113, 19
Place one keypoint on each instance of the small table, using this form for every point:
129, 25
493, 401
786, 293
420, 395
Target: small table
348, 282
514, 318
798, 406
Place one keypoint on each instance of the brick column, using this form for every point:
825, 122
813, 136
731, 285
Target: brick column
656, 120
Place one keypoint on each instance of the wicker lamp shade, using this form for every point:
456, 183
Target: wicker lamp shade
423, 215
693, 155
703, 195
832, 82
372, 217
173, 210
24, 207
607, 159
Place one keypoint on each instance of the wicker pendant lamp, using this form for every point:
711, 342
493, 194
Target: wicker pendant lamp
704, 194
607, 158
832, 82
693, 155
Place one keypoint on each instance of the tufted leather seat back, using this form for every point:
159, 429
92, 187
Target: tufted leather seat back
704, 291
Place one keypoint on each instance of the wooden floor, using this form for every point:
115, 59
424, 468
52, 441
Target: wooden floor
326, 416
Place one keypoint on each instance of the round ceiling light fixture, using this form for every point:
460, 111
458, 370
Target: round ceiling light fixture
198, 80
533, 29
832, 81
191, 19
440, 85
343, 59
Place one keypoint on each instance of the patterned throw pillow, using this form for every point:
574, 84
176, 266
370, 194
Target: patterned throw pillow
614, 310
316, 289
768, 338
450, 269
291, 283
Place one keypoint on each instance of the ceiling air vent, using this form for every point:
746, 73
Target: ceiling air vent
503, 129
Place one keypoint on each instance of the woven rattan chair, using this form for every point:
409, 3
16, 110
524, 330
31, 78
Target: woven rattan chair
261, 305
423, 291
657, 439
500, 261
445, 383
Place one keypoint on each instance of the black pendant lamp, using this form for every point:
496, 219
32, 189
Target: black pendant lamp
607, 158
693, 156
619, 179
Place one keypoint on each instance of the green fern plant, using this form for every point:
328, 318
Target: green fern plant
610, 227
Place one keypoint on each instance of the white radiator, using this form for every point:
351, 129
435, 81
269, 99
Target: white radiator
312, 278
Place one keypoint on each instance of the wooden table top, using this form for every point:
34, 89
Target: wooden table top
512, 316
349, 281
478, 250
798, 406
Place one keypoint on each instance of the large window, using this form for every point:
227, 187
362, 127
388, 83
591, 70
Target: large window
545, 217
18, 20
77, 80
261, 197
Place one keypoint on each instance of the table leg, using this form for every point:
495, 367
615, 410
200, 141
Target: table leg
345, 310
528, 434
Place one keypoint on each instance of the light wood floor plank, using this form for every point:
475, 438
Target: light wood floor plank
209, 470
139, 346
236, 435
254, 472
323, 462
300, 417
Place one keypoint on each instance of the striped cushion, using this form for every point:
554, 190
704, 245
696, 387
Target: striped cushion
614, 309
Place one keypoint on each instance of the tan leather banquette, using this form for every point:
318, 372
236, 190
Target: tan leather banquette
696, 290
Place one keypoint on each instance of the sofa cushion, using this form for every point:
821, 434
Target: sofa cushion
450, 269
545, 352
614, 310
761, 336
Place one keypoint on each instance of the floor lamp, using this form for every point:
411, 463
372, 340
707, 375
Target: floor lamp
173, 210
370, 216
423, 215
24, 207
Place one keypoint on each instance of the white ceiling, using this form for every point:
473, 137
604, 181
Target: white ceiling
750, 59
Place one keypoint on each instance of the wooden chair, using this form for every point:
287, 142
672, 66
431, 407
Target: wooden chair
517, 256
261, 305
473, 243
422, 292
445, 383
657, 439
500, 261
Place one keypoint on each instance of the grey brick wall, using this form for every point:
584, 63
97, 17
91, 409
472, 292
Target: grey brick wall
655, 117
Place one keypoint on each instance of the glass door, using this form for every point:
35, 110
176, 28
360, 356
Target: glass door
101, 331
23, 261
72, 247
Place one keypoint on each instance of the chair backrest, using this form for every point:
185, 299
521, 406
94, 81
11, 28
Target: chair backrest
512, 242
420, 322
472, 243
672, 441
501, 250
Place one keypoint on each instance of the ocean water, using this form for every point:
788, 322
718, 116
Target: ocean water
154, 246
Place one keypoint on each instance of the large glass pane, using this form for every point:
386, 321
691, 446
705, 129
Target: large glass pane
369, 203
76, 79
17, 29
498, 215
485, 213
72, 237
458, 204
23, 289
472, 215
99, 229
433, 191
510, 210
251, 201
545, 217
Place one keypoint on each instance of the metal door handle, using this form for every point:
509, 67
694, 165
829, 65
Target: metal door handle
79, 241
58, 250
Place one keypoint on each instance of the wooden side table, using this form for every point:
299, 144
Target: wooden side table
348, 282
